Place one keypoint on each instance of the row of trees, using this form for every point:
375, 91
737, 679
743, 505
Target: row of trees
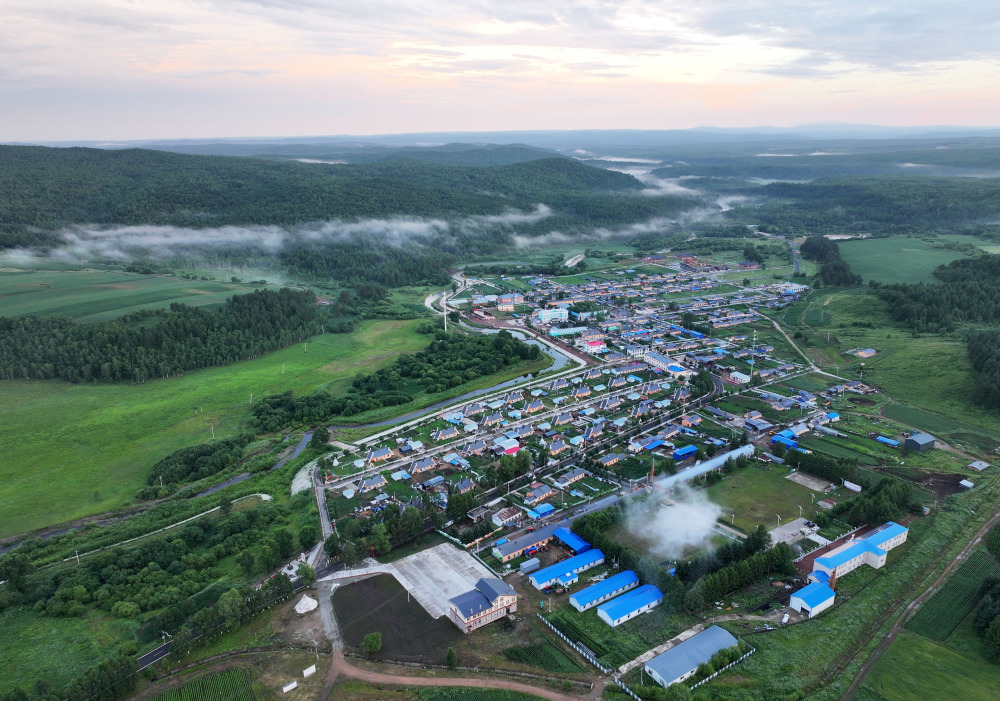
150, 344
714, 586
450, 360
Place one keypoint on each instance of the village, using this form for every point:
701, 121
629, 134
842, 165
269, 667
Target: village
671, 400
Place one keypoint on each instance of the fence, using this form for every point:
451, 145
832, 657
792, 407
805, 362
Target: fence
587, 656
627, 690
718, 672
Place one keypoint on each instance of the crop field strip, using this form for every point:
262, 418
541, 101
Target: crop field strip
232, 685
944, 612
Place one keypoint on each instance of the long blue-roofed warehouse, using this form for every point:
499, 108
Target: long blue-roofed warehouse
630, 605
602, 591
572, 541
574, 565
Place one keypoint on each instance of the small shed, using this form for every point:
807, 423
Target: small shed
814, 598
919, 442
529, 566
978, 465
967, 484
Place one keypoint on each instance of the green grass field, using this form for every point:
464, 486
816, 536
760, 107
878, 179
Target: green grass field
90, 295
915, 669
758, 496
939, 617
895, 259
91, 446
31, 642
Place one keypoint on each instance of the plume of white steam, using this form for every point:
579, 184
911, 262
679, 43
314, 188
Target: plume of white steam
670, 530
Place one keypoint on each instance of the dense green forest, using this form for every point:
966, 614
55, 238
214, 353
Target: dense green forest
969, 293
155, 343
48, 188
450, 360
984, 354
886, 204
833, 270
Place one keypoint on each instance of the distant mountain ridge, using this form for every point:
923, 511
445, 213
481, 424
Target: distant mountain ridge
47, 188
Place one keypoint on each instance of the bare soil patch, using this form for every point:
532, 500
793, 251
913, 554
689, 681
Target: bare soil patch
941, 484
862, 401
381, 604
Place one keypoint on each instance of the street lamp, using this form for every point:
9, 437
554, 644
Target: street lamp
800, 512
779, 518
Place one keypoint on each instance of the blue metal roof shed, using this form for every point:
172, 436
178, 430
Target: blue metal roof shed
609, 588
630, 605
572, 541
815, 594
584, 561
685, 452
543, 509
887, 441
681, 661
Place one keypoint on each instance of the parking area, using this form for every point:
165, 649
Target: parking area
789, 532
436, 575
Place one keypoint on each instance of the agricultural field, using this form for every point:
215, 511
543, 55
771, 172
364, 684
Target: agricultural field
88, 295
916, 669
232, 685
757, 496
939, 617
99, 441
895, 259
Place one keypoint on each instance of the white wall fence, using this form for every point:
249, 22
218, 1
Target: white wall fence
462, 545
720, 671
586, 655
627, 690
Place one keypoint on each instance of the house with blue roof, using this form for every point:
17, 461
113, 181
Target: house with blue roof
603, 591
630, 605
574, 565
682, 660
571, 541
813, 598
870, 549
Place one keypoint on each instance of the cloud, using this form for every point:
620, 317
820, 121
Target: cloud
671, 530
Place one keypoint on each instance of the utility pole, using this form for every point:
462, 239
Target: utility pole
77, 557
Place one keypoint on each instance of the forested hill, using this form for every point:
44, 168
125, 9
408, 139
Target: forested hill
155, 344
886, 204
47, 188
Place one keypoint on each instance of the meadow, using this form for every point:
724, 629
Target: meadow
895, 259
915, 669
35, 641
91, 446
91, 295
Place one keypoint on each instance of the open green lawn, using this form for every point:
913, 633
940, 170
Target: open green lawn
915, 669
90, 295
34, 646
757, 496
927, 372
74, 450
895, 259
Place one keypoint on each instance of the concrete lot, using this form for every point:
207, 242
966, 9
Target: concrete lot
432, 576
813, 483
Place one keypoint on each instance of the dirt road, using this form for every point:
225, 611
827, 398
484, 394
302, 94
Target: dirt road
340, 666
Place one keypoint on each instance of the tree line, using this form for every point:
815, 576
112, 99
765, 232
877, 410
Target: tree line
155, 343
449, 361
833, 270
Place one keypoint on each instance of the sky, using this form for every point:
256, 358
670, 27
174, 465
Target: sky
140, 69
